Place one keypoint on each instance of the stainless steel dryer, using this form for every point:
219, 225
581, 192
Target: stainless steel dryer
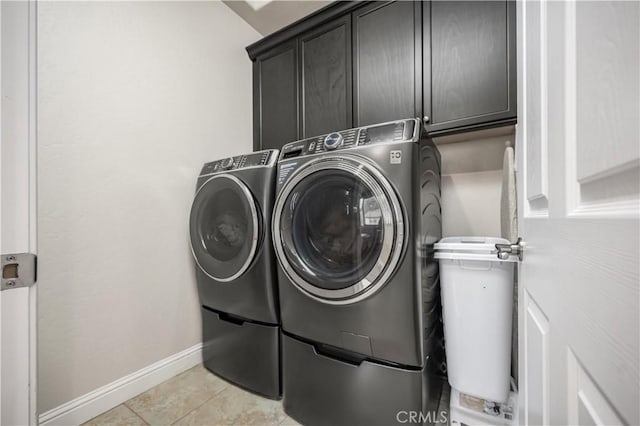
354, 222
233, 252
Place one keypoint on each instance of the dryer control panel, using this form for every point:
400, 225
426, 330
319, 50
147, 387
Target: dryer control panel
394, 131
256, 159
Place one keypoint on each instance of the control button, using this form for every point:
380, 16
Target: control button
333, 141
227, 163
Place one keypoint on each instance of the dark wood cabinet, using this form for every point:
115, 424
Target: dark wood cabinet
353, 63
275, 97
325, 65
472, 65
387, 71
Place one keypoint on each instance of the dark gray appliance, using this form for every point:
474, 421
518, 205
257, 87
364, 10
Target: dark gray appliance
354, 223
233, 252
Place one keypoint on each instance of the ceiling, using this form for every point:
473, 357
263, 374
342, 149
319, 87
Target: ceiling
269, 16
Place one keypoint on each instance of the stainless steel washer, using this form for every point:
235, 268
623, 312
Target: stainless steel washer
235, 269
355, 219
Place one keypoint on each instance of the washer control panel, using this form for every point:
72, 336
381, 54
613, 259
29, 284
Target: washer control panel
392, 132
256, 159
333, 141
319, 144
395, 131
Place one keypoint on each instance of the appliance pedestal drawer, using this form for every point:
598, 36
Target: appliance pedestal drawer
322, 389
242, 352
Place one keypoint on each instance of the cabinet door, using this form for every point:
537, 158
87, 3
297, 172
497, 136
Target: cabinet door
472, 70
325, 63
387, 62
275, 97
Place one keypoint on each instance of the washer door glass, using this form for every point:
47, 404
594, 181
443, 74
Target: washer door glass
333, 229
224, 227
339, 229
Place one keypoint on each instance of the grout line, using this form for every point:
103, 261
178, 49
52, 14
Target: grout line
194, 409
134, 411
214, 395
137, 415
126, 403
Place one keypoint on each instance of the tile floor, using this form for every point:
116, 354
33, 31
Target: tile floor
195, 397
199, 398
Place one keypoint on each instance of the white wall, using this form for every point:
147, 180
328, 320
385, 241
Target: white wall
472, 181
132, 99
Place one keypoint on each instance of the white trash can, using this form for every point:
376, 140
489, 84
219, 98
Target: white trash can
477, 297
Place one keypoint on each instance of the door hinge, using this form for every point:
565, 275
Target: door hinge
18, 270
511, 249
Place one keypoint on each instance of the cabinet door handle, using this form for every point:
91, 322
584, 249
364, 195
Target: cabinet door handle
425, 119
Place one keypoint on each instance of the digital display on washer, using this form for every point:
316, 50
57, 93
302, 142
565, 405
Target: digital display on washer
258, 159
382, 133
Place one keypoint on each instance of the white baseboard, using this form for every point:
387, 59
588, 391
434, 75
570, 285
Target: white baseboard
88, 406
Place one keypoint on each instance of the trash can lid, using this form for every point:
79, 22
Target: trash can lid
478, 245
466, 255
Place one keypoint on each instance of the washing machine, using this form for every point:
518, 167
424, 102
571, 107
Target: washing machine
354, 223
235, 269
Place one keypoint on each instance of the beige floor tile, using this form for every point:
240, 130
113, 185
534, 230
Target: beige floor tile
288, 421
200, 376
120, 416
171, 400
234, 406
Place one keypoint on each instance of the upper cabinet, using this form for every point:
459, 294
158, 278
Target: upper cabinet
471, 70
325, 65
275, 97
357, 63
386, 66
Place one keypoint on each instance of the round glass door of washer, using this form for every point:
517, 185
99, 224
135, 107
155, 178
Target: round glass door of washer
339, 229
224, 227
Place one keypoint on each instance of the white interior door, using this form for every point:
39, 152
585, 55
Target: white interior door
578, 143
17, 209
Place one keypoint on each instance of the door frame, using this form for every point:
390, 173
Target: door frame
18, 330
